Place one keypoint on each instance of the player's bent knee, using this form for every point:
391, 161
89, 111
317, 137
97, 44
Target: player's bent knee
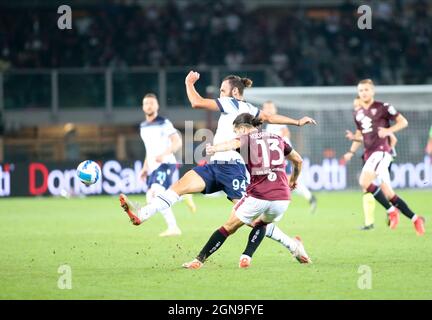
191, 182
388, 191
366, 178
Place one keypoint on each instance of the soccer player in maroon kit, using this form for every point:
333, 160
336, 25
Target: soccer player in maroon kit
268, 194
372, 120
368, 198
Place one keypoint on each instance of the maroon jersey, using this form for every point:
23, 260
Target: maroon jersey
264, 154
369, 120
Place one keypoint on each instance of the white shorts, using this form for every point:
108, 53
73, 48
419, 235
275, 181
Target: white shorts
379, 163
250, 208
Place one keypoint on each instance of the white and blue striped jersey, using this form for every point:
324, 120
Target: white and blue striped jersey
156, 138
230, 108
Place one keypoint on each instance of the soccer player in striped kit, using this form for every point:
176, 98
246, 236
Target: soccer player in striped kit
226, 170
369, 198
268, 194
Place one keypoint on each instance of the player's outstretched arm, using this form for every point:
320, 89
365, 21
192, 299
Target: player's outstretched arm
297, 162
279, 119
194, 97
224, 146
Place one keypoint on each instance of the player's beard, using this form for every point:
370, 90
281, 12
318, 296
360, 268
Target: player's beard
231, 94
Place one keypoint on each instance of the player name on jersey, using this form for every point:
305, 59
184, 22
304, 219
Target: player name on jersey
265, 161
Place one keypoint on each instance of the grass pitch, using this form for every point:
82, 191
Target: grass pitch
111, 259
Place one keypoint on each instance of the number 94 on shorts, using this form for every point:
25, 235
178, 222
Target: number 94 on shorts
230, 178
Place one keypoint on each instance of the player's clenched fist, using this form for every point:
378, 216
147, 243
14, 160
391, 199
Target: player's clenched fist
192, 77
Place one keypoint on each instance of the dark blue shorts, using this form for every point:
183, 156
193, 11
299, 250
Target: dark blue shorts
230, 178
162, 175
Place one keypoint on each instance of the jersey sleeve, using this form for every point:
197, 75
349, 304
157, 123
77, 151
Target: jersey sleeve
287, 148
253, 110
169, 128
390, 112
227, 104
357, 123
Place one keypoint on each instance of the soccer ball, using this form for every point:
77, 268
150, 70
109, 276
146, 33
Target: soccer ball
88, 172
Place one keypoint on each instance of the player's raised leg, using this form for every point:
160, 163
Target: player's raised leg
187, 198
130, 208
294, 245
167, 214
191, 182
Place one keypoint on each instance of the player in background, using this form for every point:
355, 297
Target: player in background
161, 141
267, 196
368, 198
284, 132
226, 170
429, 143
372, 120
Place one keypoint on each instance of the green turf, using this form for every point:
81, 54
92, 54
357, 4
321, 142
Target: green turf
111, 259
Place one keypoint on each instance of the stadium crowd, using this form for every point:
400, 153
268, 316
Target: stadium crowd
304, 49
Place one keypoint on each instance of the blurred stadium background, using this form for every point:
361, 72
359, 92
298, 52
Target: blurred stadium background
70, 95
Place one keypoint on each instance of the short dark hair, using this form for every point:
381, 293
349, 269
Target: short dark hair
246, 119
239, 83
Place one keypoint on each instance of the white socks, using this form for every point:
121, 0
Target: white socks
391, 209
160, 202
169, 218
276, 234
